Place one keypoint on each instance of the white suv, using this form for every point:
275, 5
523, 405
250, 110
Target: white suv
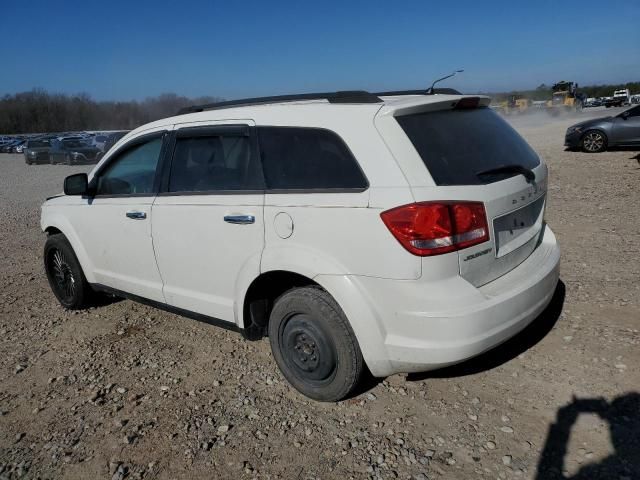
402, 231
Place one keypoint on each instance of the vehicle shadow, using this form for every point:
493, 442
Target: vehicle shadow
104, 299
510, 349
622, 415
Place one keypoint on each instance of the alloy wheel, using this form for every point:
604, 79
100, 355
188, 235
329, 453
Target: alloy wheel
64, 280
593, 142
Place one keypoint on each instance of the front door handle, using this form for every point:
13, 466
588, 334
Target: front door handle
135, 215
240, 219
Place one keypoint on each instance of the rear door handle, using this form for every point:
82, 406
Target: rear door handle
240, 219
135, 215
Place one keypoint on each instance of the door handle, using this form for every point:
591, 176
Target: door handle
136, 215
240, 219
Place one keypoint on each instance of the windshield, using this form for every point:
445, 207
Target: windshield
455, 145
37, 143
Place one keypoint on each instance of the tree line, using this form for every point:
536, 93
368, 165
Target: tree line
39, 111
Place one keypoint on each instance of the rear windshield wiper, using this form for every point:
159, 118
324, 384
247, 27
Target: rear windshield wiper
513, 168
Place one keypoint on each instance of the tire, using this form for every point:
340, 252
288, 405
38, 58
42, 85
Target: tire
314, 345
66, 279
593, 141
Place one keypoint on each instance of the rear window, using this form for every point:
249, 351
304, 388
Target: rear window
455, 145
296, 158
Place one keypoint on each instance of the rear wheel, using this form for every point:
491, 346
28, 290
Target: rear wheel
594, 141
65, 275
314, 345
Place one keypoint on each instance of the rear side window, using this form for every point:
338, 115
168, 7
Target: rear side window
214, 162
307, 159
455, 145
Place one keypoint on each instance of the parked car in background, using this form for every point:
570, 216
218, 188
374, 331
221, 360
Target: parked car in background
5, 140
72, 150
8, 146
598, 134
99, 141
19, 148
592, 102
623, 95
112, 139
620, 98
37, 150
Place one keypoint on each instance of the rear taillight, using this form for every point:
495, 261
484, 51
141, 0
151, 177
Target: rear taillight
432, 228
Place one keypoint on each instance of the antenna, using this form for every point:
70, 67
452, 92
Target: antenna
430, 89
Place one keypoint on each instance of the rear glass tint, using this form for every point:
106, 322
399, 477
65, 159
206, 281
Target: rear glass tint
455, 145
296, 158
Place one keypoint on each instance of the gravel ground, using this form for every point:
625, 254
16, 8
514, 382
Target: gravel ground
127, 391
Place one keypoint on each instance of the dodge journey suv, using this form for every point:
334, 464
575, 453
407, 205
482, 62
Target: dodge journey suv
397, 231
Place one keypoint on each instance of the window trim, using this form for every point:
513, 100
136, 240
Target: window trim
282, 191
253, 133
145, 138
234, 129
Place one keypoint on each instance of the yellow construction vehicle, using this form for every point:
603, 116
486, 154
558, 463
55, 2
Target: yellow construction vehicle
565, 98
514, 104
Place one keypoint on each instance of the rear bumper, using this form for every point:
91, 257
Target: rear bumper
466, 320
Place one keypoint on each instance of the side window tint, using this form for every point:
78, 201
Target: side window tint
307, 158
213, 163
132, 172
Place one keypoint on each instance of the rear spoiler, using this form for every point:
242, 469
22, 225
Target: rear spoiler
432, 103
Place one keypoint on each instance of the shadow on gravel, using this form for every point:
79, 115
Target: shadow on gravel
102, 300
622, 415
513, 347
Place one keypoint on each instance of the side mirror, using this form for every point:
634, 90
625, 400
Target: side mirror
624, 115
77, 184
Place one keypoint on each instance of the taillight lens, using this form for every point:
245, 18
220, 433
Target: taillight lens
433, 228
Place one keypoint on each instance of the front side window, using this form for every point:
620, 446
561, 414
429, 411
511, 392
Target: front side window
297, 158
214, 162
634, 112
132, 172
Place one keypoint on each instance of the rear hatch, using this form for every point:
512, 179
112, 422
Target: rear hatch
472, 154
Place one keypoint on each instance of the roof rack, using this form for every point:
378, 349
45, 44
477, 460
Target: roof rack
347, 96
354, 96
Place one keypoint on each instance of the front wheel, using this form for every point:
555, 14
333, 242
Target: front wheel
594, 141
314, 345
65, 275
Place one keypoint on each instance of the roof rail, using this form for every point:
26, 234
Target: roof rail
351, 96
